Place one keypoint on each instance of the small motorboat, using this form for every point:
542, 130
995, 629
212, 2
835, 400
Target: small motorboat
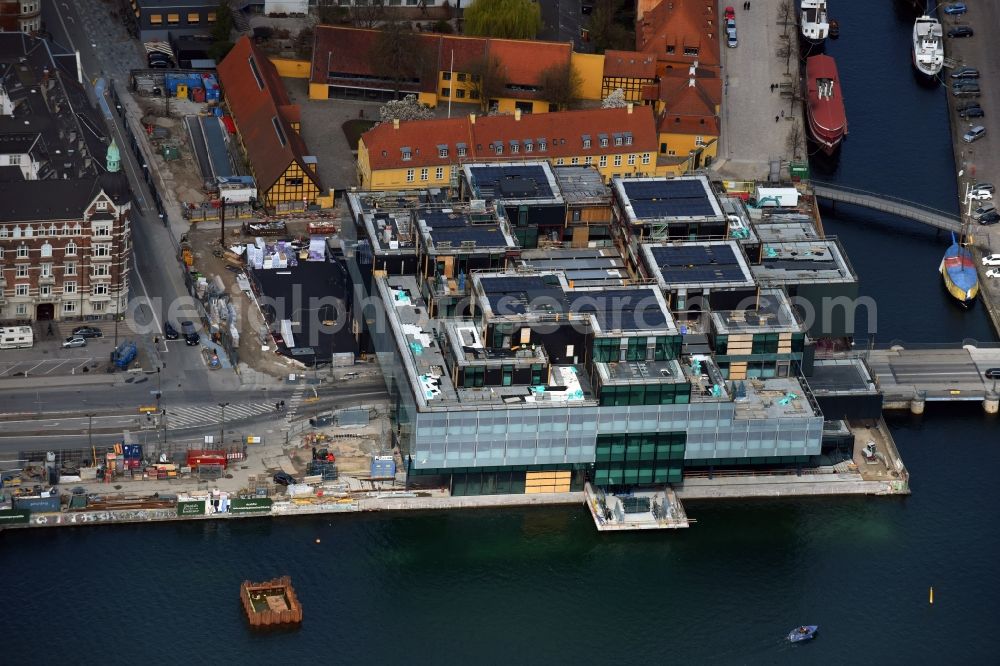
834, 29
803, 633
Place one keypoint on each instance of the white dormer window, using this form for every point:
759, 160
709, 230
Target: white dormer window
618, 141
604, 142
586, 143
443, 152
29, 231
528, 147
628, 139
407, 155
102, 205
541, 145
513, 147
461, 151
499, 149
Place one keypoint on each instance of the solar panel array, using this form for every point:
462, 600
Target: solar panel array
686, 264
521, 181
456, 228
668, 198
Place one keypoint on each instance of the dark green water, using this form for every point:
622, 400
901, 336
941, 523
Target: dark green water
541, 586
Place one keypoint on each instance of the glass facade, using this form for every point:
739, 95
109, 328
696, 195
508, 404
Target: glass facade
611, 350
639, 458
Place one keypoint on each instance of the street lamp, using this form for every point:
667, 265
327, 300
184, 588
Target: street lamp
222, 426
90, 430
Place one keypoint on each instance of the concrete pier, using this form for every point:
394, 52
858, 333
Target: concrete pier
918, 402
991, 403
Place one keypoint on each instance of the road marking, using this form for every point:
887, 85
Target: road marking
32, 368
156, 319
63, 24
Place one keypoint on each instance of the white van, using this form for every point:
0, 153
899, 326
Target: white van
16, 337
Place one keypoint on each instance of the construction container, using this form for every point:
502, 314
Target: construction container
198, 94
182, 91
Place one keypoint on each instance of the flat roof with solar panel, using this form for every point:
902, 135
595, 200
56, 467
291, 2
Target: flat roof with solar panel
516, 181
708, 264
545, 295
458, 230
688, 199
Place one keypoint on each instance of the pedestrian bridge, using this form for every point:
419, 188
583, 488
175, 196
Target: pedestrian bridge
837, 193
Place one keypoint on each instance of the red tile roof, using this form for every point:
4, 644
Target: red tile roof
563, 133
344, 54
680, 96
680, 24
254, 109
524, 61
697, 125
629, 64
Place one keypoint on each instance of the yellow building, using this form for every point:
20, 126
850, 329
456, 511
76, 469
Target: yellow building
267, 125
688, 127
427, 153
342, 68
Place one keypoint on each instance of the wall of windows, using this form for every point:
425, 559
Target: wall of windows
609, 350
639, 458
645, 394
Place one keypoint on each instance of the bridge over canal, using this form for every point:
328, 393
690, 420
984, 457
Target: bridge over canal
934, 217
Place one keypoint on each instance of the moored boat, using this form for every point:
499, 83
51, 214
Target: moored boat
825, 103
928, 46
814, 20
958, 270
803, 633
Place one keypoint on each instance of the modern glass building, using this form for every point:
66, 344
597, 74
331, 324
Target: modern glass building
534, 371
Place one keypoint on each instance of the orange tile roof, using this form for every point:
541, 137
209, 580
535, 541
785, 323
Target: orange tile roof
342, 54
629, 64
680, 24
524, 61
697, 125
385, 142
562, 131
680, 96
255, 108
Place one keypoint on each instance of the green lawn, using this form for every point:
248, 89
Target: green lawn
354, 128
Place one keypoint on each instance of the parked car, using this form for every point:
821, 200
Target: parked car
731, 40
974, 134
283, 478
75, 341
981, 195
993, 373
191, 337
169, 332
974, 111
991, 260
960, 31
984, 186
966, 84
983, 210
965, 73
956, 8
730, 13
88, 332
992, 273
989, 218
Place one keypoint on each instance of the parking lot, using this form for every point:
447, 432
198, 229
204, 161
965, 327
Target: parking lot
34, 367
49, 358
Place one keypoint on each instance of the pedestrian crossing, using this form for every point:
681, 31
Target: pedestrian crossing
179, 418
293, 405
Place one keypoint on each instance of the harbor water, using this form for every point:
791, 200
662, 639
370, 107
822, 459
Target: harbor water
541, 585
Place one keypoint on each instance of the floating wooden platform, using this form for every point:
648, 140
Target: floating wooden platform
271, 603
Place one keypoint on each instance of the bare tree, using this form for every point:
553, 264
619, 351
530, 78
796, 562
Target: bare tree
795, 140
397, 54
368, 15
489, 80
561, 85
785, 13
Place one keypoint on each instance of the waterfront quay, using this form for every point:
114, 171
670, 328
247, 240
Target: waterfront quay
978, 161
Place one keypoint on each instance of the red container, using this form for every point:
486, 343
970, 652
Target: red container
198, 94
198, 457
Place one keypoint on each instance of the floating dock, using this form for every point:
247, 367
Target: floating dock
639, 510
271, 603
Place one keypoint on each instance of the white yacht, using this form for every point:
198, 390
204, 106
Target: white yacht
928, 46
815, 22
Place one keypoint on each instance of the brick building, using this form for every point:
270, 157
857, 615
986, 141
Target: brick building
21, 15
64, 228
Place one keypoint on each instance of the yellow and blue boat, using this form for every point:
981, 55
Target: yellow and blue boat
958, 269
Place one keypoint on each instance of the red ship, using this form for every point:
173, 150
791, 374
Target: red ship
825, 110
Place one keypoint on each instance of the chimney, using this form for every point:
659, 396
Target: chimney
517, 115
629, 107
395, 123
472, 119
690, 83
